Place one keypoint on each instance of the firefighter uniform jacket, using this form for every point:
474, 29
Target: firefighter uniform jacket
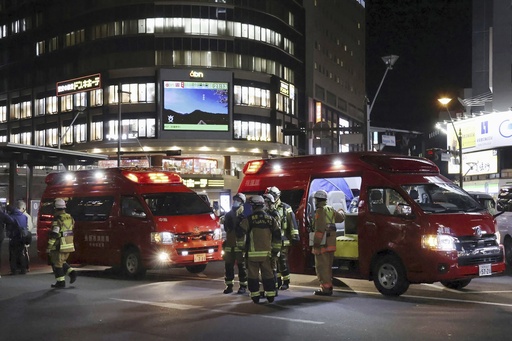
263, 235
288, 223
324, 224
61, 235
235, 233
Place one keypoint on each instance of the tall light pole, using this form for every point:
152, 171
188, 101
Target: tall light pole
389, 61
444, 101
80, 109
120, 93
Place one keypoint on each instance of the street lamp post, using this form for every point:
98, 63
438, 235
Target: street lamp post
120, 93
389, 61
444, 101
80, 109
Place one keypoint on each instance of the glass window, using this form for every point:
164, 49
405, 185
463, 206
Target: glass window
131, 207
3, 113
176, 204
96, 131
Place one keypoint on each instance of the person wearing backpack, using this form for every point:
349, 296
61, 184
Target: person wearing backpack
17, 232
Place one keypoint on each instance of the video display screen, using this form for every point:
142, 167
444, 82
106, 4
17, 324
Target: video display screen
195, 106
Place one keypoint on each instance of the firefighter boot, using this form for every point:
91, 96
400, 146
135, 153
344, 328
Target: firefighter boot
285, 285
59, 285
229, 289
242, 290
72, 276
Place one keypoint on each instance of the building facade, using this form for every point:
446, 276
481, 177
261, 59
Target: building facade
485, 124
199, 87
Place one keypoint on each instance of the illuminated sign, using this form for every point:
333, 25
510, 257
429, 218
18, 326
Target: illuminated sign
199, 106
75, 85
203, 183
196, 74
284, 89
477, 163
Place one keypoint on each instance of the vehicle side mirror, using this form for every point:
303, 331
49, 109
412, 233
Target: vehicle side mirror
404, 210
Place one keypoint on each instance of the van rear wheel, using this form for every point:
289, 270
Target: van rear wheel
507, 244
131, 264
389, 276
195, 269
459, 284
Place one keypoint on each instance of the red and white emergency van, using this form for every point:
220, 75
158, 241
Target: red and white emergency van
405, 222
133, 218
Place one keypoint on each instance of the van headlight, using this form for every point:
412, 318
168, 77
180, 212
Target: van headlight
438, 242
163, 237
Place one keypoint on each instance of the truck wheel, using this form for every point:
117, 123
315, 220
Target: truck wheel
132, 264
389, 276
459, 284
507, 244
195, 269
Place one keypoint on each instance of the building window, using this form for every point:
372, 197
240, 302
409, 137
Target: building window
251, 96
132, 93
132, 129
51, 105
40, 48
3, 113
97, 131
251, 131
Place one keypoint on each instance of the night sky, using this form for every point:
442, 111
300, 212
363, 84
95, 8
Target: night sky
433, 41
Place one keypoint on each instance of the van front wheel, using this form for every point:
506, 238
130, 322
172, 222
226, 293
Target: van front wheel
507, 244
389, 276
132, 264
195, 269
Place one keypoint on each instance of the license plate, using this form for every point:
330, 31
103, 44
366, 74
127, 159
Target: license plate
484, 270
200, 257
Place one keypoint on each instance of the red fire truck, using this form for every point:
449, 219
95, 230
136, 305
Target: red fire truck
132, 218
405, 222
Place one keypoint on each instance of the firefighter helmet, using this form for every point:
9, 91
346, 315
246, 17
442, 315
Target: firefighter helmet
239, 196
320, 194
257, 200
60, 203
269, 197
276, 193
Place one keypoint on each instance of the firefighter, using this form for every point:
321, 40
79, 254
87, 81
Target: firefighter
60, 244
289, 234
263, 242
234, 245
324, 243
270, 208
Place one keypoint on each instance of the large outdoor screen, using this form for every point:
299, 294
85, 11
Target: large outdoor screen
196, 106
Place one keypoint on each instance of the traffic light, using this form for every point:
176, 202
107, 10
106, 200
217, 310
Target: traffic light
432, 154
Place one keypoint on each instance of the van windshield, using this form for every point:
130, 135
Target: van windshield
442, 198
174, 204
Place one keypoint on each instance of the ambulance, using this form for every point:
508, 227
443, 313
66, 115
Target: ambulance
132, 219
405, 222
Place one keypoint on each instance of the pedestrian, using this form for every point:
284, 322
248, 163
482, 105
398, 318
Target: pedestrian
4, 219
263, 242
234, 245
17, 232
22, 206
60, 244
324, 241
289, 234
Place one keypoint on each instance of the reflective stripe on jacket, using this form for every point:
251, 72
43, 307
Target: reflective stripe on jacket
61, 235
324, 223
263, 235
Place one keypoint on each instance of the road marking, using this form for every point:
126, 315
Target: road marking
190, 307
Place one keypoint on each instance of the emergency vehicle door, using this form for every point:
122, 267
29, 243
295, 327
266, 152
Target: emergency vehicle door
389, 224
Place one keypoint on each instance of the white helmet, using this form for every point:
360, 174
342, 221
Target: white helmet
276, 193
240, 196
60, 203
320, 194
257, 200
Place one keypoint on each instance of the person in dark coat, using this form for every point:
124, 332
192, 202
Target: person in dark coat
16, 223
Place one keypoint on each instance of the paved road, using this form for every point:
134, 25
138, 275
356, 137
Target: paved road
176, 305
